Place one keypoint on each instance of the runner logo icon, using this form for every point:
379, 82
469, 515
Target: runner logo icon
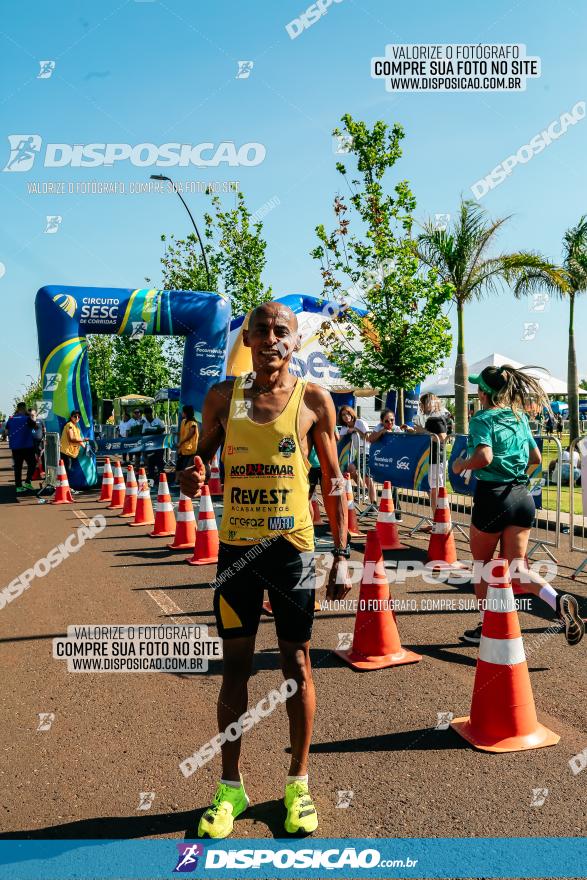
187, 860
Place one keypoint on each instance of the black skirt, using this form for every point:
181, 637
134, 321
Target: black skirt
498, 505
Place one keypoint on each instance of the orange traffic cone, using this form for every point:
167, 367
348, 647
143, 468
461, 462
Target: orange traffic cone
442, 550
164, 518
353, 525
62, 492
107, 482
144, 513
376, 642
130, 498
315, 510
503, 714
118, 490
185, 533
206, 549
386, 525
214, 483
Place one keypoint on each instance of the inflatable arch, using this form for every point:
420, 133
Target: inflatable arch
65, 315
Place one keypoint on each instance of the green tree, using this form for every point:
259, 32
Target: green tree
100, 366
238, 254
31, 393
403, 335
235, 251
583, 384
184, 269
566, 280
139, 366
460, 254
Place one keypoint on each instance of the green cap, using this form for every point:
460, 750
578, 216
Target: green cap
490, 380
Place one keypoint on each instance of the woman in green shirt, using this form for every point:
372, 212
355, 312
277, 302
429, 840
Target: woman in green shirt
501, 451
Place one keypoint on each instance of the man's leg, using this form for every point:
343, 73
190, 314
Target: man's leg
233, 698
31, 462
301, 706
17, 460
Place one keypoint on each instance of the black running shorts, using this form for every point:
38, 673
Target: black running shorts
498, 505
244, 573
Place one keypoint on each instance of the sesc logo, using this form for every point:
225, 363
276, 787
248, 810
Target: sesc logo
209, 371
317, 365
403, 463
65, 302
24, 149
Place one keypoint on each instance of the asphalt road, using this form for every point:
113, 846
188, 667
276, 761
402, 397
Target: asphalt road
116, 735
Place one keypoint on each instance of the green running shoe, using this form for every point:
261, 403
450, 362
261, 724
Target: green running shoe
29, 486
228, 803
301, 812
20, 490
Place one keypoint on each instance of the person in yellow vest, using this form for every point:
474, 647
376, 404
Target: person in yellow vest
71, 440
268, 421
188, 439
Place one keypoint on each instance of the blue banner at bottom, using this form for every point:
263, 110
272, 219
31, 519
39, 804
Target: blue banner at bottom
334, 857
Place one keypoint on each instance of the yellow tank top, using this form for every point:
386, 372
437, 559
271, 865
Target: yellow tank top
71, 449
265, 476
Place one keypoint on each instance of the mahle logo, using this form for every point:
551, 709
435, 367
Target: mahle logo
24, 149
66, 302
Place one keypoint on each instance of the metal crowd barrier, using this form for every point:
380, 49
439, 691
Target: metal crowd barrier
406, 501
545, 532
52, 455
546, 529
578, 521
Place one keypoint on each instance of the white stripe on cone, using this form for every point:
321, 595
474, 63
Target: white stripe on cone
386, 494
439, 528
132, 490
386, 517
164, 506
442, 503
207, 525
185, 516
500, 600
206, 504
502, 652
107, 481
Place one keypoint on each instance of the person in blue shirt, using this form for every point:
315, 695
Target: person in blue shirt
502, 451
20, 428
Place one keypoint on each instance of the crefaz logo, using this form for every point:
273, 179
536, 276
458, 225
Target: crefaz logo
403, 464
261, 470
24, 149
287, 446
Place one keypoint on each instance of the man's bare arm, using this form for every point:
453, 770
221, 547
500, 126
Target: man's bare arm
323, 436
215, 406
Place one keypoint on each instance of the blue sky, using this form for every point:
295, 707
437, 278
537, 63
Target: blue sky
157, 72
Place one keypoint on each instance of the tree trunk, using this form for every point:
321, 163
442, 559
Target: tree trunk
461, 377
400, 406
572, 377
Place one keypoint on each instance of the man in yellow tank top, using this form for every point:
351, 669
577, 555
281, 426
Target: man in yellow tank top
268, 422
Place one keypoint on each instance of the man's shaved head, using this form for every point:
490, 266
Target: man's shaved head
274, 310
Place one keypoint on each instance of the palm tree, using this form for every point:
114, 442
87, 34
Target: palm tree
566, 280
459, 254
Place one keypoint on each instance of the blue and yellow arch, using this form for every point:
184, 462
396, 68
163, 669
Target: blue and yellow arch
65, 315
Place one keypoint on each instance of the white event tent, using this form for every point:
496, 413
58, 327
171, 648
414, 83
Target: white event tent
443, 382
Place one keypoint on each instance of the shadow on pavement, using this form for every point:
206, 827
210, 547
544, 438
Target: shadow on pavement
425, 739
